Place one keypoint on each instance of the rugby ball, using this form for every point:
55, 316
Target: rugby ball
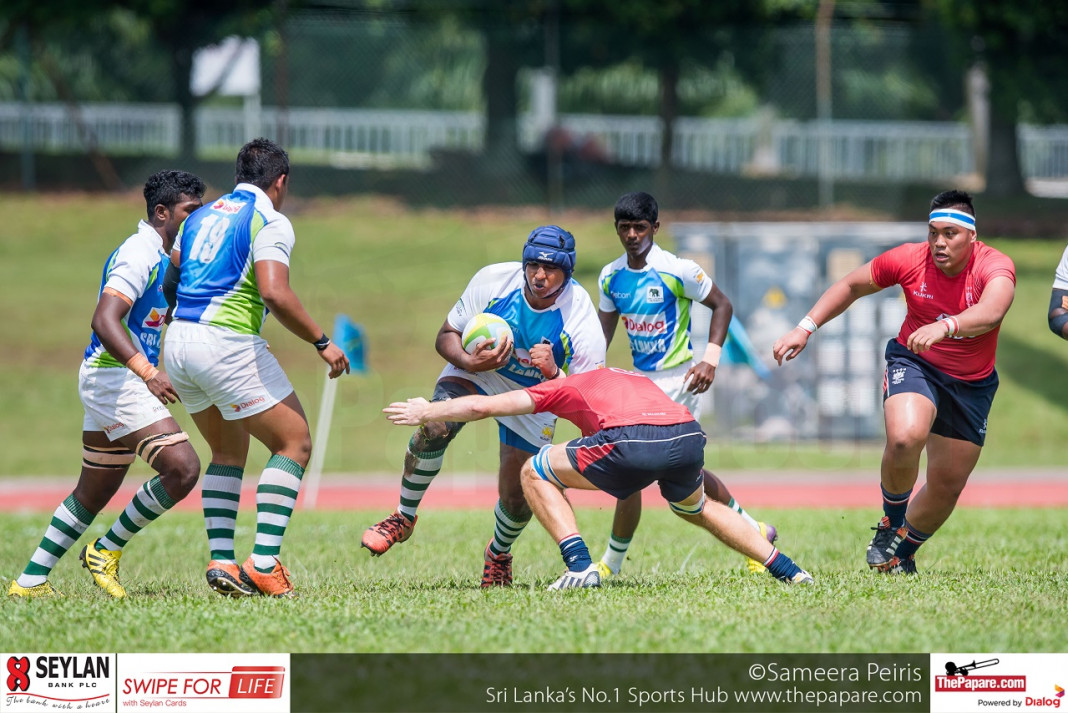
484, 326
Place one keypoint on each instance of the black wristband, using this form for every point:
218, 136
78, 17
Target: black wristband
322, 342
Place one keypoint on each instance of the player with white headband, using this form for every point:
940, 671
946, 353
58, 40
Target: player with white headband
940, 378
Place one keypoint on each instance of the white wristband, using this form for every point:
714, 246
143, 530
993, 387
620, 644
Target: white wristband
712, 354
808, 324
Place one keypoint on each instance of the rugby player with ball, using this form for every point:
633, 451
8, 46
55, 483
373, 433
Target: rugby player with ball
554, 332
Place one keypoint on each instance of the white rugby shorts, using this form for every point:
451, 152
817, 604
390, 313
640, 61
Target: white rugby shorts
672, 382
537, 429
215, 366
117, 401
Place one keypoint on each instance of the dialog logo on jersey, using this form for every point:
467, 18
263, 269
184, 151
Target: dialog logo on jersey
645, 325
236, 683
244, 405
224, 206
58, 682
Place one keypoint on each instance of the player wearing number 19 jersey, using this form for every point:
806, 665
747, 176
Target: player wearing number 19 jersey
232, 265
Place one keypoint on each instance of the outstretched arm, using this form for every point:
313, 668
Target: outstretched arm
416, 412
831, 303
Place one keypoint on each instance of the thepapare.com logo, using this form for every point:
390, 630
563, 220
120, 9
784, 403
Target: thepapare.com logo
58, 682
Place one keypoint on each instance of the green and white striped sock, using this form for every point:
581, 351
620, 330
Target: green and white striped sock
149, 502
616, 552
220, 498
506, 530
69, 522
413, 486
276, 496
748, 518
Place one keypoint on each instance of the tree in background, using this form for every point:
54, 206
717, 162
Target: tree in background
1022, 45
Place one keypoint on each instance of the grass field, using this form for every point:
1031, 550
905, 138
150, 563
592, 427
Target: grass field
398, 271
993, 580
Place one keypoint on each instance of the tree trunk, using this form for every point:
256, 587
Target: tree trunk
1004, 177
182, 65
501, 151
669, 110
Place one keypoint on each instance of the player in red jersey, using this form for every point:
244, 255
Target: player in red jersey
633, 434
940, 378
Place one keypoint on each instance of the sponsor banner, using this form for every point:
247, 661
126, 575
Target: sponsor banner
357, 683
966, 682
204, 683
58, 682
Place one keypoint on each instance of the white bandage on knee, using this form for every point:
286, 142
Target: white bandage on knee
695, 509
106, 457
151, 446
541, 466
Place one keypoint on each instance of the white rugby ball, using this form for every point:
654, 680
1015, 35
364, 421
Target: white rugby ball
484, 326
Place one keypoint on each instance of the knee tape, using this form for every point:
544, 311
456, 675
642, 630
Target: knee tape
681, 509
540, 463
107, 457
150, 447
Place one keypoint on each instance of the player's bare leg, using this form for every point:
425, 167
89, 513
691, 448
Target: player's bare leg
542, 477
731, 529
909, 417
422, 463
221, 495
104, 465
511, 515
949, 464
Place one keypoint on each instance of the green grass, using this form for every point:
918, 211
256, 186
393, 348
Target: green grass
398, 271
992, 580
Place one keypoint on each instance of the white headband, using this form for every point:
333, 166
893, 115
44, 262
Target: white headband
951, 215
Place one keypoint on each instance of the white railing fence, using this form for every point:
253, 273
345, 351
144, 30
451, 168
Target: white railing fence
373, 138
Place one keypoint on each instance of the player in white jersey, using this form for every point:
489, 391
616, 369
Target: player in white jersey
230, 265
125, 399
1058, 300
556, 333
651, 291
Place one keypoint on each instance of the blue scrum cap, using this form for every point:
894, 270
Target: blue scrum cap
552, 245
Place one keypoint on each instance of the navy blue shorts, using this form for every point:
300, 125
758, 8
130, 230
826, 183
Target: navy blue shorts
623, 460
962, 406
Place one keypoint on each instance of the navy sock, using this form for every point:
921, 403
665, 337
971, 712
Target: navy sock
780, 566
912, 541
895, 505
575, 554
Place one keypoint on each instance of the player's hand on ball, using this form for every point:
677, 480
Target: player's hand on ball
407, 413
490, 355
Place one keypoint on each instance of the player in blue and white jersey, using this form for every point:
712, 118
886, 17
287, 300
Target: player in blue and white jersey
651, 291
125, 399
230, 265
556, 332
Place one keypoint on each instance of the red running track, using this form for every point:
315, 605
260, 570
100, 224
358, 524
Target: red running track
755, 489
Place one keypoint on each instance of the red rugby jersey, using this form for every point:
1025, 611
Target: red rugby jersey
931, 295
605, 398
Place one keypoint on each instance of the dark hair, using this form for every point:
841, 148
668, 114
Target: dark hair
637, 206
168, 187
953, 199
260, 162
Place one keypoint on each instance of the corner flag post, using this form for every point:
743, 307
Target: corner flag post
349, 336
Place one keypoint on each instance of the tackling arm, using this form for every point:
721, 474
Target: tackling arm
416, 412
